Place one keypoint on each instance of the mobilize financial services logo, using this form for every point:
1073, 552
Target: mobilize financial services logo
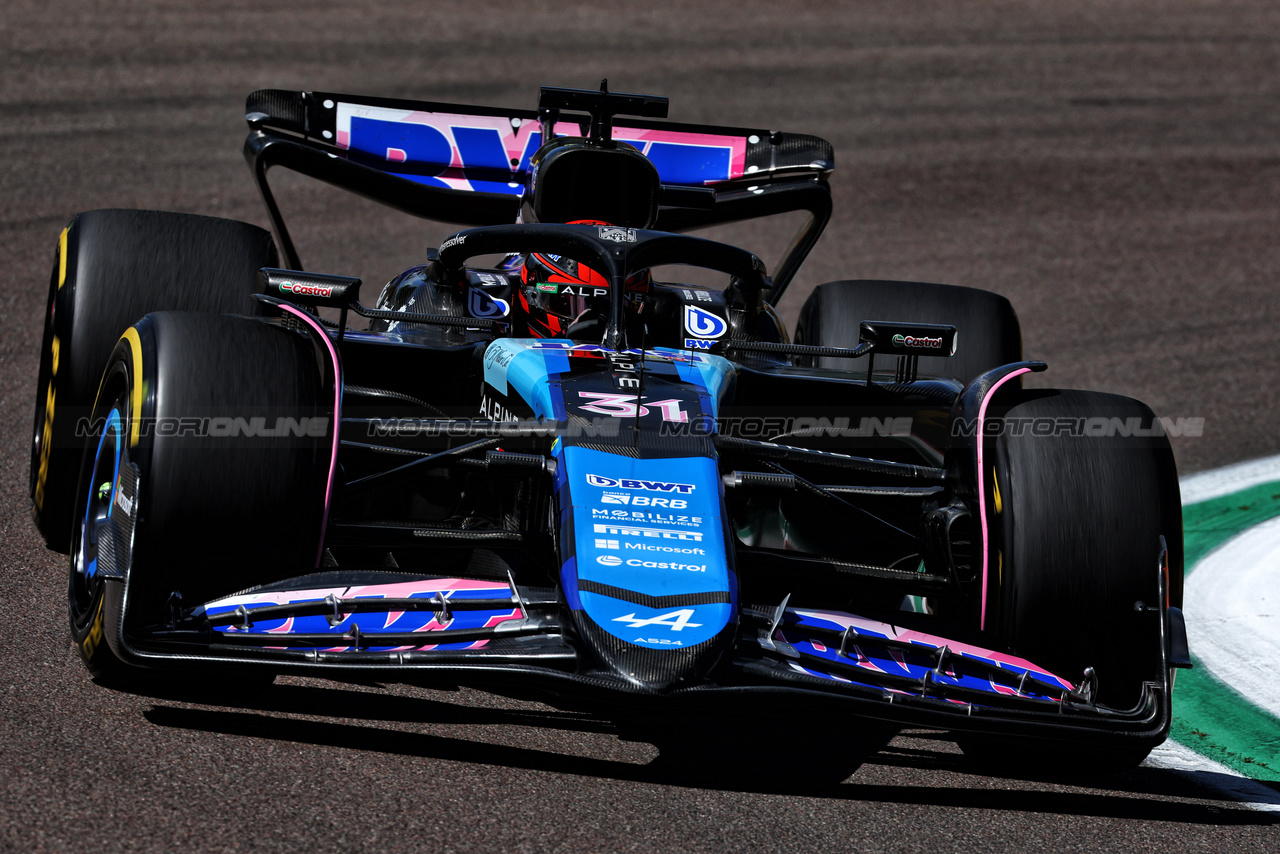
650, 485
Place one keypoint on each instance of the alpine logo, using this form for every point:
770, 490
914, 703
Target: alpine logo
480, 304
650, 485
676, 621
584, 291
701, 323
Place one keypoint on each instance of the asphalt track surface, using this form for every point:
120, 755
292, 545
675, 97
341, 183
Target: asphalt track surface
1112, 167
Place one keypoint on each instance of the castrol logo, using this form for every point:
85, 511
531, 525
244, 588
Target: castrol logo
917, 341
306, 290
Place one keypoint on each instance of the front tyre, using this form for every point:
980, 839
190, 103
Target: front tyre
225, 425
1080, 487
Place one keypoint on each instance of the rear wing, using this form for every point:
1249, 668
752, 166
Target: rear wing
468, 165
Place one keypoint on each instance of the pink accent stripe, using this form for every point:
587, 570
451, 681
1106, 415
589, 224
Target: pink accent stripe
337, 415
875, 627
405, 589
982, 499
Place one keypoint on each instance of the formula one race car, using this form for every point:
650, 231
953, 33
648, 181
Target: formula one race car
553, 468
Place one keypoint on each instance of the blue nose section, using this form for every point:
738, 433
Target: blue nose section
646, 563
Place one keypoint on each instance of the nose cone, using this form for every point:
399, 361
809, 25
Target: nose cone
646, 568
656, 648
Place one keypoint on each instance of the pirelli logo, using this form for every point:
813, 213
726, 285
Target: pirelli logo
654, 533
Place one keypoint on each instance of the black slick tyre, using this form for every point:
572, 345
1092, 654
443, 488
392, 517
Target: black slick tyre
1080, 488
228, 421
988, 329
110, 268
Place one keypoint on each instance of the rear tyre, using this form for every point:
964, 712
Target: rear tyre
228, 421
988, 330
111, 268
1076, 509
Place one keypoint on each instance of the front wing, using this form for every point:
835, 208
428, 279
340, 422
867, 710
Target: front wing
345, 624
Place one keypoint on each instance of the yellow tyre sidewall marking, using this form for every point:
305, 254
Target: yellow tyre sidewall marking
135, 398
62, 258
95, 634
46, 432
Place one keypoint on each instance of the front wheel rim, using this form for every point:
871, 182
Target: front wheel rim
94, 525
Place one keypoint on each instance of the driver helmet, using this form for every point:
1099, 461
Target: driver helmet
558, 292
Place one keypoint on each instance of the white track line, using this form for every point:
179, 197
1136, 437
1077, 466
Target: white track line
1185, 762
1211, 613
1235, 594
1214, 484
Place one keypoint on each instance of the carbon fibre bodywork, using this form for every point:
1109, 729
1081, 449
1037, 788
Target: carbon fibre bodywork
673, 507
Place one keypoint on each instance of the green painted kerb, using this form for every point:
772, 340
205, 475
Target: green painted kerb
1208, 716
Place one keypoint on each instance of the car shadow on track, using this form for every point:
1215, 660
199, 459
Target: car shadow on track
935, 751
744, 758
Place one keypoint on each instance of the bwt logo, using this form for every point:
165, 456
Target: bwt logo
482, 304
504, 147
701, 323
650, 485
913, 341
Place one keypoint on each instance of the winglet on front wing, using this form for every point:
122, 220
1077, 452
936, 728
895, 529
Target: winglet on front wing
362, 619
